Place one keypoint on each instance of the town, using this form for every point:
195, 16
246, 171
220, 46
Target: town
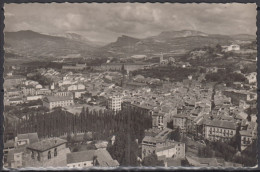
193, 109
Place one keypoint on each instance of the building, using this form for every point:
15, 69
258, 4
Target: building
15, 157
180, 120
74, 67
249, 135
158, 120
15, 101
90, 158
251, 77
114, 103
210, 162
57, 101
43, 91
29, 90
167, 148
73, 87
62, 93
47, 153
13, 80
232, 47
214, 130
26, 139
8, 146
155, 141
238, 95
31, 98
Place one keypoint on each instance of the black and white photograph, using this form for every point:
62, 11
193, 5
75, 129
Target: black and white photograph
112, 85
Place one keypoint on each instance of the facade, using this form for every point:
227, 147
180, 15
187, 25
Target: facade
15, 158
47, 153
180, 120
114, 103
214, 130
158, 120
62, 93
43, 91
249, 135
161, 147
13, 80
57, 101
29, 91
31, 98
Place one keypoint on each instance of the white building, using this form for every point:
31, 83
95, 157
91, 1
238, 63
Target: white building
214, 130
251, 77
114, 103
57, 101
232, 47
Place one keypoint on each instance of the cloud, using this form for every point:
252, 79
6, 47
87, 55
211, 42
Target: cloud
105, 22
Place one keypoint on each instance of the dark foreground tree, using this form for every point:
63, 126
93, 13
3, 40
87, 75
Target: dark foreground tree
152, 161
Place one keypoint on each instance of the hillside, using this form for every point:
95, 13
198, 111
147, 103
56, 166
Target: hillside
29, 44
168, 41
36, 46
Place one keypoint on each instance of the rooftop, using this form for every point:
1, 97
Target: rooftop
58, 98
33, 137
220, 124
103, 157
46, 144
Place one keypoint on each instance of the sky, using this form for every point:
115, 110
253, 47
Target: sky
105, 22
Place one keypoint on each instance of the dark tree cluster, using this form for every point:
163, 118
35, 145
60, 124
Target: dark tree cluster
102, 123
225, 77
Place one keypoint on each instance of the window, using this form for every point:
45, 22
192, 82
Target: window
79, 165
85, 164
32, 155
55, 152
49, 155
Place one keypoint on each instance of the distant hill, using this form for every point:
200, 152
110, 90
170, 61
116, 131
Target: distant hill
168, 41
34, 45
80, 38
244, 37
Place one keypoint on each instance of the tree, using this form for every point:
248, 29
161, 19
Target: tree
175, 135
218, 48
85, 137
152, 161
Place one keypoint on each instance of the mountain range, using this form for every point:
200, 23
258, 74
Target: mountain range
35, 45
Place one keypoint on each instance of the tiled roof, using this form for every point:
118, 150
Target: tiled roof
46, 144
103, 157
58, 98
220, 124
80, 156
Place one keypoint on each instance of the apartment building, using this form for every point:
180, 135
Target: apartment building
214, 130
114, 103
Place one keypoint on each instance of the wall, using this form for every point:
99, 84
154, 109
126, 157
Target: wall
81, 164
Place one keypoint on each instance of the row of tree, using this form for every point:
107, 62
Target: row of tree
102, 123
